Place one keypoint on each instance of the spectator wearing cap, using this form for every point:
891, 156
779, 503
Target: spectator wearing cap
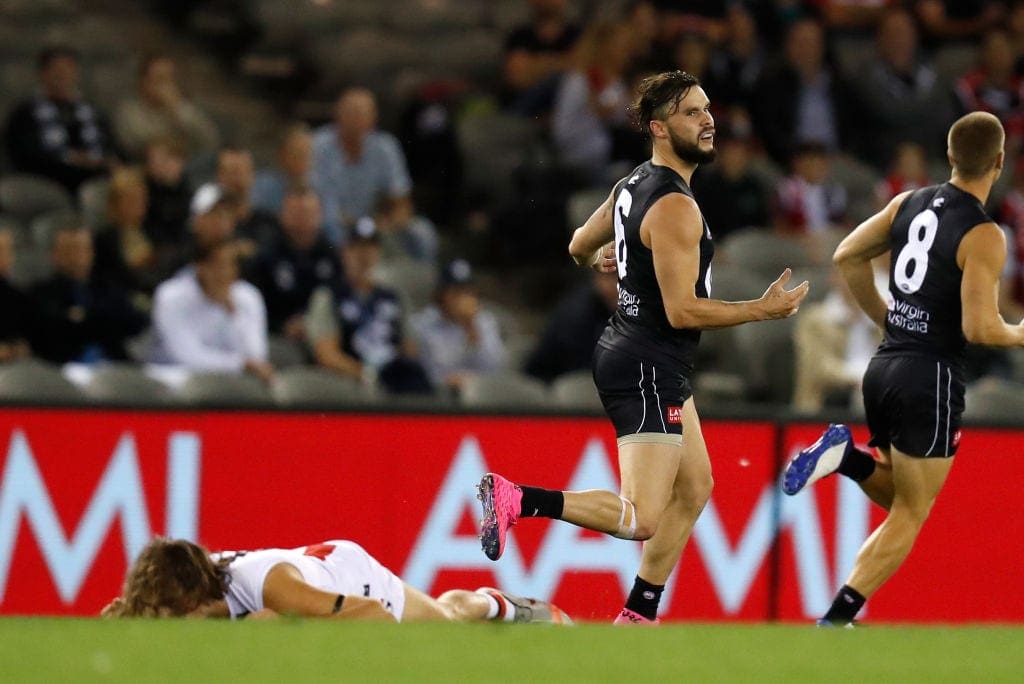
358, 170
732, 196
207, 319
297, 261
160, 109
356, 329
457, 337
56, 133
212, 219
14, 323
76, 319
235, 176
294, 166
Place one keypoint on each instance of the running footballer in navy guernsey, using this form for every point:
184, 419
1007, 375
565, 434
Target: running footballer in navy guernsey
640, 325
946, 256
651, 232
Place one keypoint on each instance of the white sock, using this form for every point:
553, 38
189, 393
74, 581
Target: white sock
499, 606
493, 607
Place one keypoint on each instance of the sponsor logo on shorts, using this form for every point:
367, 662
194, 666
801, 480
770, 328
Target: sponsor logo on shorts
674, 414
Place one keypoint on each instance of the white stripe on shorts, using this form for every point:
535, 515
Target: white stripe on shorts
661, 414
938, 373
643, 400
949, 386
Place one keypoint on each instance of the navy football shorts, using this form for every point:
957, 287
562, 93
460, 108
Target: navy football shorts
644, 400
914, 404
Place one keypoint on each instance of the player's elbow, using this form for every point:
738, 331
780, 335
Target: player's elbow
981, 332
680, 318
576, 250
841, 257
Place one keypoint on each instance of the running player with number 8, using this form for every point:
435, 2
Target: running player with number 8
943, 282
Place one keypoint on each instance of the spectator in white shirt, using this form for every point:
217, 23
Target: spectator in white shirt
457, 337
206, 319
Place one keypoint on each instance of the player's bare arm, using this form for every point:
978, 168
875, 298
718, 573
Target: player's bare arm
673, 229
591, 243
285, 592
853, 258
981, 255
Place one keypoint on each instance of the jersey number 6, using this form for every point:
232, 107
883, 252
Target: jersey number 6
623, 203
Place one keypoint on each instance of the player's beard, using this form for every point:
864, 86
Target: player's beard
691, 153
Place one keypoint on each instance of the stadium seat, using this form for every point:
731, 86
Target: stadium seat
491, 160
316, 388
860, 182
223, 389
504, 390
42, 226
582, 204
36, 382
17, 228
285, 353
518, 347
422, 18
765, 352
995, 400
31, 264
415, 281
123, 383
92, 199
576, 391
25, 196
762, 252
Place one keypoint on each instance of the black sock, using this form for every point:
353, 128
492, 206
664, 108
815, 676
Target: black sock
644, 598
846, 606
857, 465
541, 503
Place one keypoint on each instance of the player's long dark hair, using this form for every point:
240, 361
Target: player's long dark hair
658, 97
170, 578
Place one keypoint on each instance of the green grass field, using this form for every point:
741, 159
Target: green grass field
78, 650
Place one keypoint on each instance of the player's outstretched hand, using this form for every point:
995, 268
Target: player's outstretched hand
778, 302
604, 259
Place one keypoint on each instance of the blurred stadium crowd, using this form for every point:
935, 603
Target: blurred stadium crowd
353, 202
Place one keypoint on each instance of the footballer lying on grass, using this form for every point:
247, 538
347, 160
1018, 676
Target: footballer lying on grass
336, 579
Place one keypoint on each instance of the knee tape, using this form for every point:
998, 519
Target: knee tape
627, 520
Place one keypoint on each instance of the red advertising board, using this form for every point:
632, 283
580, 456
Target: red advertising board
81, 491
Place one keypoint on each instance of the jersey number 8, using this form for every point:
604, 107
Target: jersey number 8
623, 204
912, 261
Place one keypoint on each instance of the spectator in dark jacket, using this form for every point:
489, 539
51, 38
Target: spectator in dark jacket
75, 319
56, 133
800, 99
573, 329
169, 193
297, 262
